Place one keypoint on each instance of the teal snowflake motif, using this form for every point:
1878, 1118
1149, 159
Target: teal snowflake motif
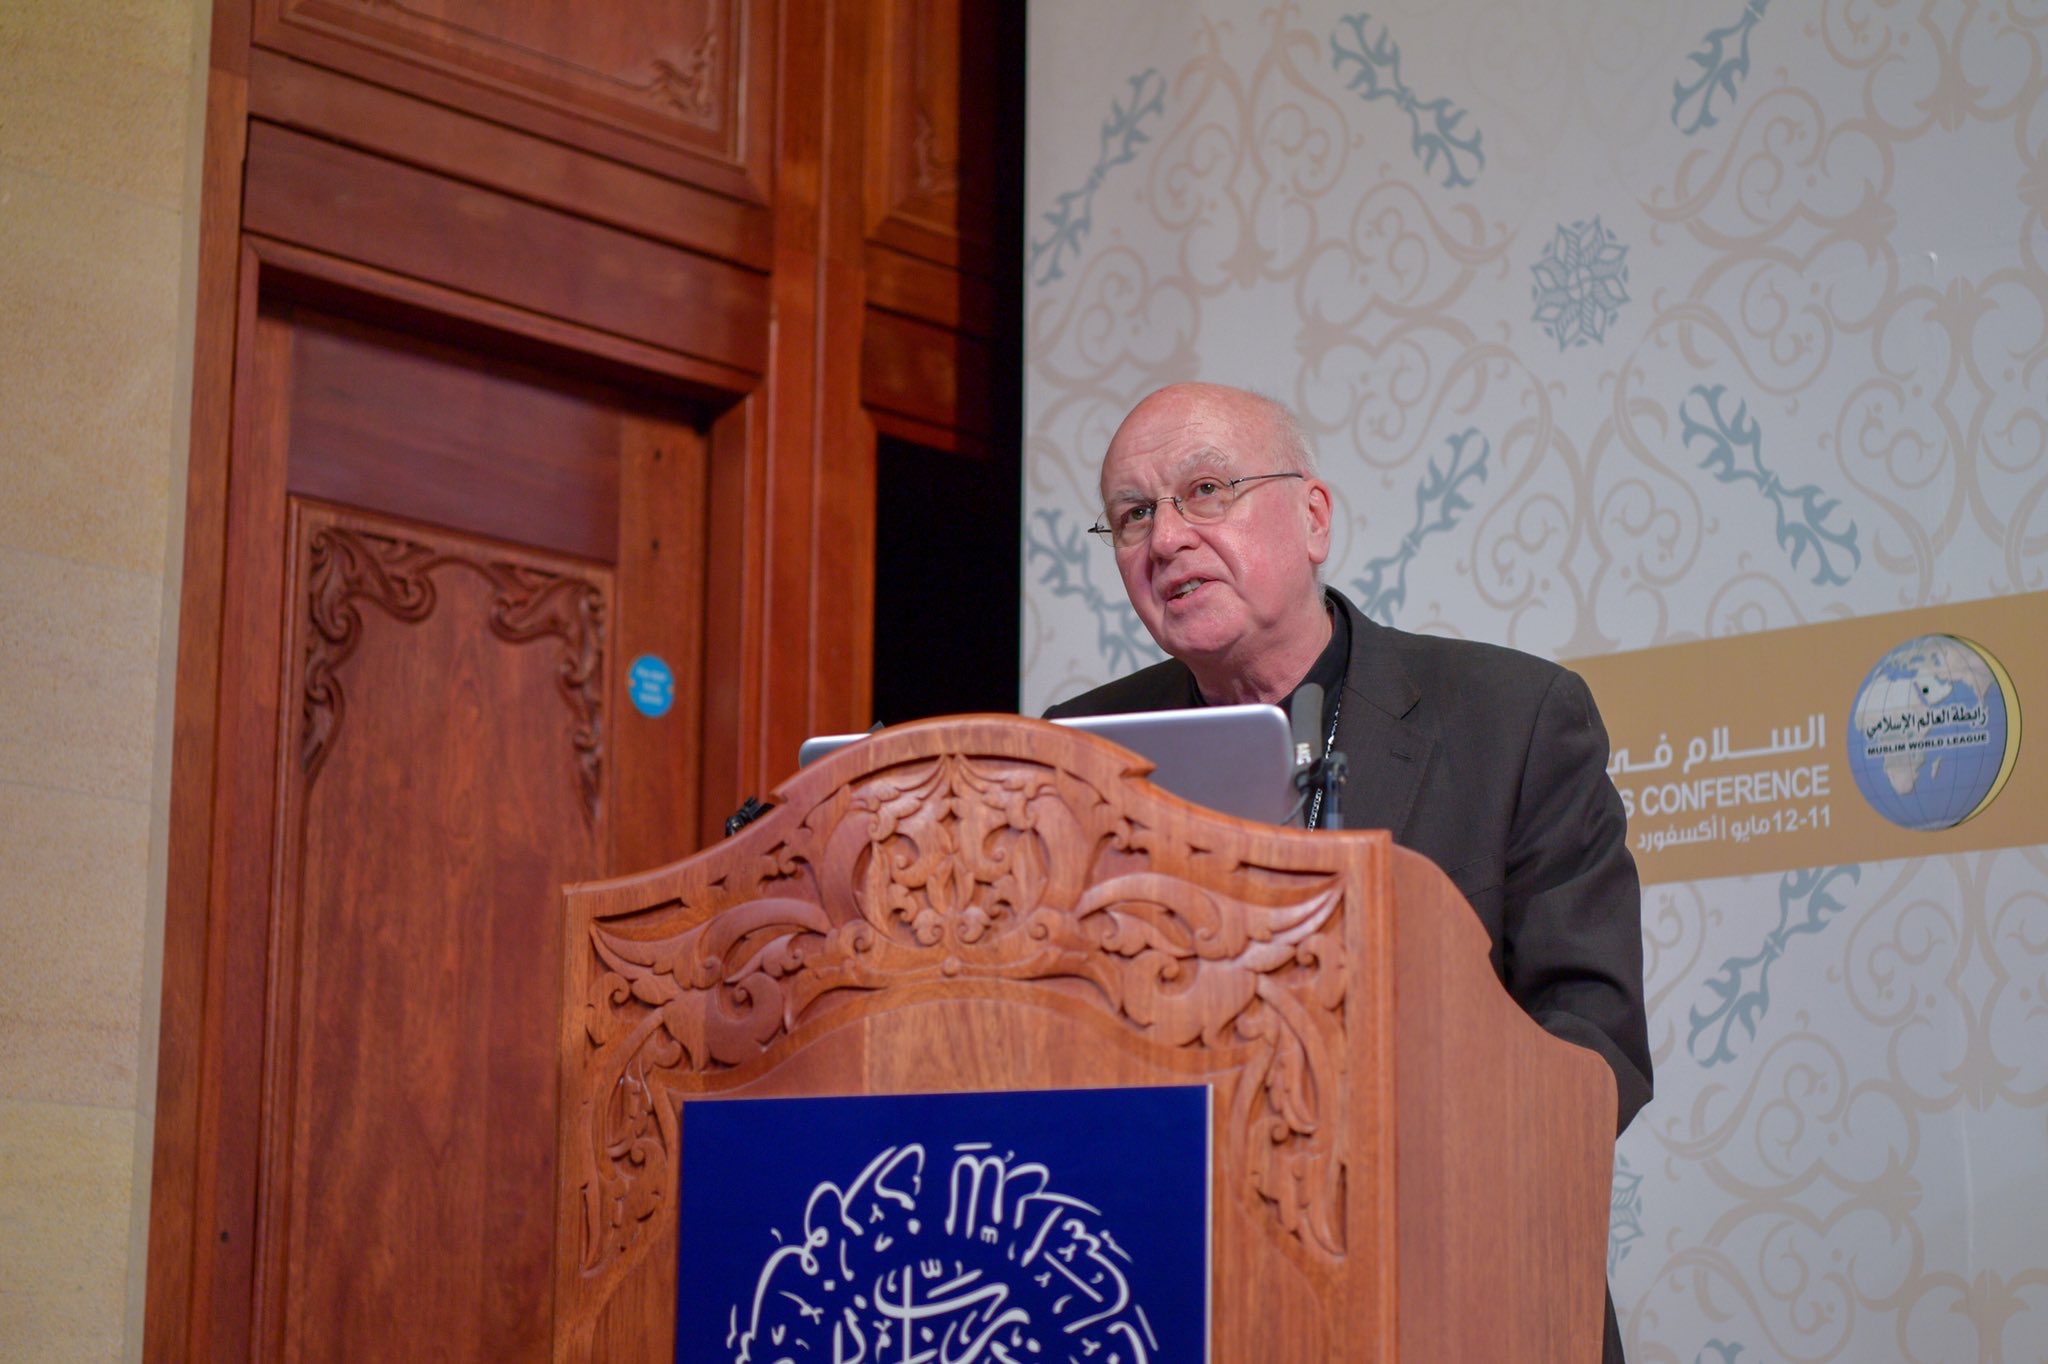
1625, 1213
1581, 283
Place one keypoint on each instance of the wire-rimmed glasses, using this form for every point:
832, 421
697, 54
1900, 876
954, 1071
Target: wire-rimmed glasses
1205, 500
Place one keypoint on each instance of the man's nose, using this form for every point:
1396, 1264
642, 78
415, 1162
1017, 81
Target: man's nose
1171, 531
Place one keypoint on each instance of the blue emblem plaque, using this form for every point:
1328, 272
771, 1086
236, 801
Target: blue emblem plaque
652, 686
946, 1228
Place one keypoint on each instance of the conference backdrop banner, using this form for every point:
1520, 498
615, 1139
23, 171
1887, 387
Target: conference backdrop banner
1702, 344
1820, 744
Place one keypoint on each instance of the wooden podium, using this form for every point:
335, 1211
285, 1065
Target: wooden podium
1405, 1166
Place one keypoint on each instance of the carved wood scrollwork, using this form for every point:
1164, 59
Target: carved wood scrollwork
931, 174
529, 604
669, 68
689, 86
958, 868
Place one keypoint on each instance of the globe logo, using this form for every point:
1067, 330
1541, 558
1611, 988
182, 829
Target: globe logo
1934, 733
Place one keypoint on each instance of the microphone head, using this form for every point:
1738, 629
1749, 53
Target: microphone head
1305, 717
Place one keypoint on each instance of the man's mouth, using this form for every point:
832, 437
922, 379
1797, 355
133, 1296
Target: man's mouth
1185, 588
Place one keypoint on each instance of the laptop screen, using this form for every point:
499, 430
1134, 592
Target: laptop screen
1237, 760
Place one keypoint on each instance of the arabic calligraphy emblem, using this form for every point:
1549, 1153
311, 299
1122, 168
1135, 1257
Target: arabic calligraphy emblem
1934, 733
950, 1249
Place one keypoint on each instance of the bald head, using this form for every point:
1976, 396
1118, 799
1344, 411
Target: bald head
1235, 599
1267, 422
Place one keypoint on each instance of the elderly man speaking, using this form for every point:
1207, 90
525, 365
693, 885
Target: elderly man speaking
1490, 762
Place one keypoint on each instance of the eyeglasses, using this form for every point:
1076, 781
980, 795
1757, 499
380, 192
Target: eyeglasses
1204, 500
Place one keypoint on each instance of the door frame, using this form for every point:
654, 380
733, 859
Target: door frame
787, 620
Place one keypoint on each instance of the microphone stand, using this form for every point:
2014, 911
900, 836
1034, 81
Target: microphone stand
1319, 770
1328, 776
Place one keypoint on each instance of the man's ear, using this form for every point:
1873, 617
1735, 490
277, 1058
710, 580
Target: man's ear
1320, 510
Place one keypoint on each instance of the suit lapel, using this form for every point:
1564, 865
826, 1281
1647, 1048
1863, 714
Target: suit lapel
1388, 752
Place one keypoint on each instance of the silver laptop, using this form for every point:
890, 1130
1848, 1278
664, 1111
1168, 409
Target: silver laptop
1238, 760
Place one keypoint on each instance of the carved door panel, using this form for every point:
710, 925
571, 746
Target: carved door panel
475, 551
442, 781
936, 159
658, 83
943, 222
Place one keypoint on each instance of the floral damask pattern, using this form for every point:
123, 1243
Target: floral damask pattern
1858, 247
1819, 397
1723, 62
1382, 589
1372, 60
1123, 133
1735, 454
1581, 283
1625, 1213
1738, 994
1850, 1186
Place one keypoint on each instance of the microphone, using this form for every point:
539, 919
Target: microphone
1305, 713
1318, 775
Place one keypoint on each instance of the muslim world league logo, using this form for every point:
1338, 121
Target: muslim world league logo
1934, 733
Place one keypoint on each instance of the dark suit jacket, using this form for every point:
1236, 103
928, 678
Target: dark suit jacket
1493, 764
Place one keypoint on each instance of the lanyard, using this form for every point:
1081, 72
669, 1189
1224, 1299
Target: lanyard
1315, 808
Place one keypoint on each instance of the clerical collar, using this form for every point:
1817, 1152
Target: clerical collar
1329, 668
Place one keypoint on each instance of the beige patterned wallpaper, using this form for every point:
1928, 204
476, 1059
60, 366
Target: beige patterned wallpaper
1621, 324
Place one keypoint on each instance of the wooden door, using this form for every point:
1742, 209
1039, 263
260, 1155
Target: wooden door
465, 555
533, 341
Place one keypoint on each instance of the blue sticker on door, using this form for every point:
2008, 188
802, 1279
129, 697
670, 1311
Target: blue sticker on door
651, 685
